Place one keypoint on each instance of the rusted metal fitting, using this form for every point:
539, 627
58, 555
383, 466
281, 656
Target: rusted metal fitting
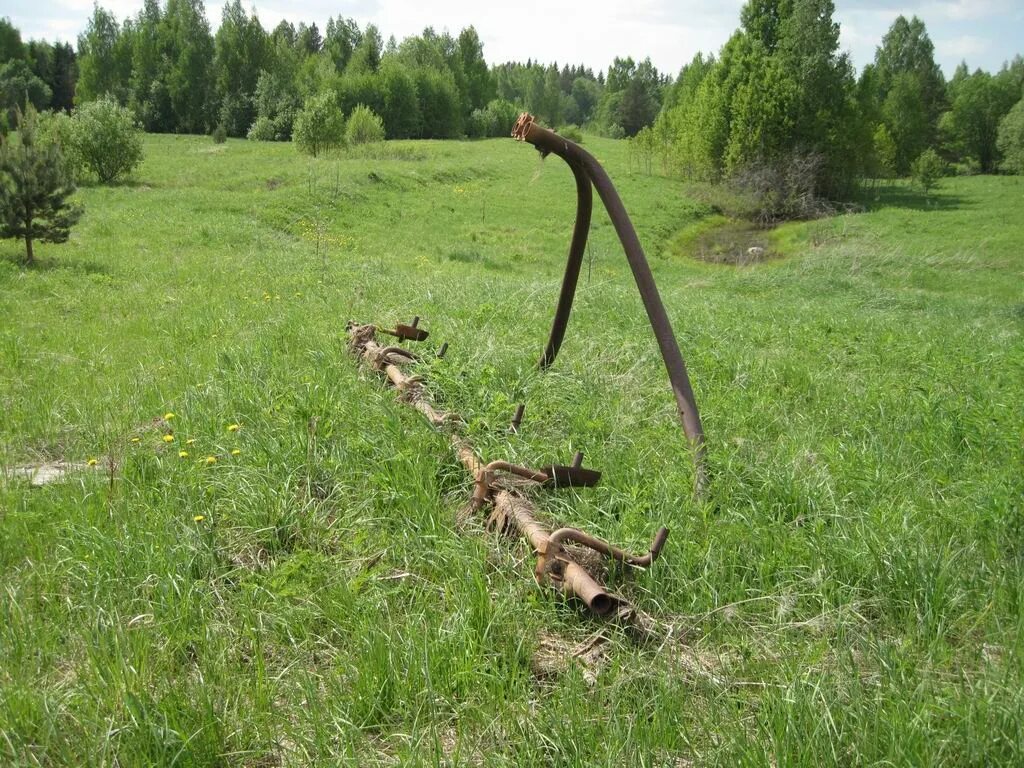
573, 476
511, 510
484, 481
410, 332
555, 547
568, 576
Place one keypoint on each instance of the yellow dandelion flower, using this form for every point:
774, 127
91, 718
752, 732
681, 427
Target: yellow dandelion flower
168, 438
235, 451
135, 439
183, 454
168, 416
91, 462
211, 459
234, 427
198, 518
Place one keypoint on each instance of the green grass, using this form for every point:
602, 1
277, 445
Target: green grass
850, 593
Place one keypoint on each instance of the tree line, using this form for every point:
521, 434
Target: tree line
779, 96
781, 107
176, 75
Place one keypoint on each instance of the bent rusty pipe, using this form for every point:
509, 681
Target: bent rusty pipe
547, 141
579, 537
580, 231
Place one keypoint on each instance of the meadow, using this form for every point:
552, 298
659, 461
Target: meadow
295, 589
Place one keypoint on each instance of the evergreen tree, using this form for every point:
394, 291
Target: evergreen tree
34, 188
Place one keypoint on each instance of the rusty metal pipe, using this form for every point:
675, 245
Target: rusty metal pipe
570, 576
547, 141
599, 545
577, 247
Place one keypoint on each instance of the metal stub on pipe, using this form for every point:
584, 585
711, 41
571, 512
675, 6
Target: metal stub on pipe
407, 332
517, 418
573, 476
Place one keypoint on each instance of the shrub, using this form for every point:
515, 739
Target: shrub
478, 125
501, 116
1011, 139
320, 126
219, 134
766, 193
106, 139
615, 131
364, 127
927, 169
572, 133
58, 128
262, 129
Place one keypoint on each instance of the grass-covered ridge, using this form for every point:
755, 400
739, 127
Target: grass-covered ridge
850, 593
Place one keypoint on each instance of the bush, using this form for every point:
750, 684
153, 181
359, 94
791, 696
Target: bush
1011, 139
219, 134
615, 131
927, 169
572, 133
320, 126
766, 193
262, 129
58, 128
106, 139
364, 127
502, 116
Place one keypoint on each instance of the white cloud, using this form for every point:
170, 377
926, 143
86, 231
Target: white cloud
964, 46
971, 10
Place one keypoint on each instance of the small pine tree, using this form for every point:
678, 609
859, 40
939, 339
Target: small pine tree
34, 188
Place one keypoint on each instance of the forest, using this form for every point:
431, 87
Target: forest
779, 99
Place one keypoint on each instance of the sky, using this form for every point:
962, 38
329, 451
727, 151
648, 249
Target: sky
985, 33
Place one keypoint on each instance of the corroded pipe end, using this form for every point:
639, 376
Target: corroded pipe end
576, 581
522, 126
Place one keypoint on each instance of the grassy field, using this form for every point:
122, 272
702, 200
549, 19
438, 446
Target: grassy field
297, 592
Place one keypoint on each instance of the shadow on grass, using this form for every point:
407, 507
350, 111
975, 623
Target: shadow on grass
902, 195
54, 263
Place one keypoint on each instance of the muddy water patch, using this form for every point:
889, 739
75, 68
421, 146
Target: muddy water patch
718, 240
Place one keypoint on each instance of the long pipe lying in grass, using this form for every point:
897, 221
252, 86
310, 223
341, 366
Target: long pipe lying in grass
555, 565
588, 171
